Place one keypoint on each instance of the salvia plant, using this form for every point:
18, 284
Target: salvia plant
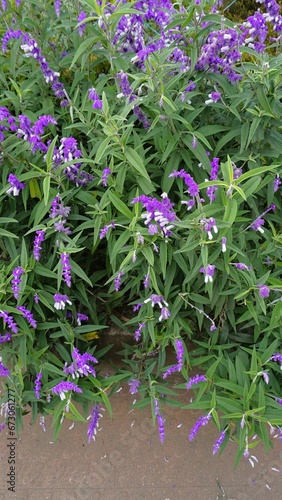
140, 150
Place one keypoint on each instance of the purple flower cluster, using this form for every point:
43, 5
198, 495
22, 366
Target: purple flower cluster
15, 185
94, 422
9, 320
117, 281
16, 281
211, 190
272, 14
127, 91
58, 209
27, 314
4, 372
61, 301
82, 27
209, 225
81, 365
137, 333
179, 356
57, 7
68, 151
66, 268
63, 387
192, 187
264, 291
133, 385
97, 102
160, 420
158, 211
277, 357
259, 221
203, 420
218, 443
37, 385
31, 49
104, 231
39, 238
5, 338
195, 380
81, 317
255, 32
105, 174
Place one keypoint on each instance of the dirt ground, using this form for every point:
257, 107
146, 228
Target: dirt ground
127, 461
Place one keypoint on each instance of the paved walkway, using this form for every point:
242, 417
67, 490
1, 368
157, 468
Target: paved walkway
127, 461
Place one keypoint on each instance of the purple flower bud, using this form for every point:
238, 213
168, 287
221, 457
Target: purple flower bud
242, 266
28, 315
223, 243
94, 422
16, 280
4, 372
105, 175
63, 387
277, 357
39, 238
218, 443
137, 333
276, 183
146, 281
203, 420
61, 301
195, 380
117, 281
97, 103
264, 291
81, 317
16, 185
9, 320
105, 230
133, 385
37, 385
66, 268
208, 272
165, 314
82, 27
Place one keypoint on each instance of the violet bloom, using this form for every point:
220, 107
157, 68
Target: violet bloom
218, 443
192, 187
36, 298
203, 420
264, 291
211, 190
94, 422
105, 175
208, 272
146, 281
257, 225
137, 333
81, 317
16, 281
57, 7
276, 183
137, 306
82, 27
37, 385
160, 212
5, 338
97, 102
9, 320
66, 268
39, 238
165, 314
277, 357
156, 299
27, 314
179, 356
160, 420
4, 372
61, 301
16, 185
133, 385
81, 365
209, 226
196, 380
63, 387
242, 266
104, 231
117, 281
58, 208
213, 97
223, 244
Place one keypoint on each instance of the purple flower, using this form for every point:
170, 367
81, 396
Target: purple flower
9, 320
105, 230
242, 266
277, 357
218, 442
223, 243
81, 365
82, 27
137, 306
36, 298
209, 226
203, 420
117, 281
4, 372
39, 238
146, 281
265, 376
276, 183
156, 299
158, 211
81, 317
63, 387
192, 187
94, 424
16, 280
133, 385
37, 385
179, 356
61, 301
208, 272
16, 185
66, 268
264, 291
160, 420
196, 380
57, 7
211, 190
137, 333
5, 338
278, 400
97, 102
2, 426
213, 97
105, 175
58, 208
28, 315
165, 314
257, 225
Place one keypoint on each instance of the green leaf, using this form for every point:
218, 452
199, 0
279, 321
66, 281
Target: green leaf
120, 205
49, 155
46, 189
136, 162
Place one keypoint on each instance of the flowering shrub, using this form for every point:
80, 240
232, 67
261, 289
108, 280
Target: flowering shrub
140, 171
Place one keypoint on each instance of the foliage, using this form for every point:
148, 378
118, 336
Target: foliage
140, 167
